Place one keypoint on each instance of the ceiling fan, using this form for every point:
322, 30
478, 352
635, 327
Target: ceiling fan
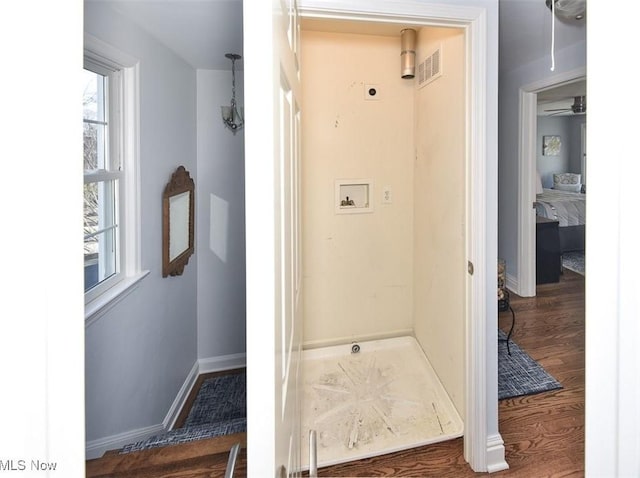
579, 106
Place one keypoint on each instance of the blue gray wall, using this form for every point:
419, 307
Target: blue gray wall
523, 63
568, 160
140, 352
221, 233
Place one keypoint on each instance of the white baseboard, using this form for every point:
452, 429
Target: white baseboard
314, 344
97, 448
512, 283
181, 398
224, 362
495, 454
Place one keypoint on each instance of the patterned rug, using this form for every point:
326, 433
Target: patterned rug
519, 374
574, 261
220, 408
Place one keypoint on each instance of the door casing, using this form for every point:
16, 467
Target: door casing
483, 445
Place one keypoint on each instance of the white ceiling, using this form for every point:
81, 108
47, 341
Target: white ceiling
199, 31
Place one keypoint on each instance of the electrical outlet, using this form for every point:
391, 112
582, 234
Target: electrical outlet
386, 195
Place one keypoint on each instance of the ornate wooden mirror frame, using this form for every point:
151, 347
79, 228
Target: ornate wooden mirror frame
177, 222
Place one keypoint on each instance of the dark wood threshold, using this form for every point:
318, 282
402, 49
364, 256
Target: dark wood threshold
211, 453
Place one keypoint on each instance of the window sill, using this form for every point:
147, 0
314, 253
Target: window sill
100, 305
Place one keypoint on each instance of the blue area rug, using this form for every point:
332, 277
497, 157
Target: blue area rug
220, 408
519, 374
574, 261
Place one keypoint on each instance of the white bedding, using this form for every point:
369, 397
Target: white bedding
568, 208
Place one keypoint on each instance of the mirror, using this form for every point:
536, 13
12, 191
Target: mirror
177, 222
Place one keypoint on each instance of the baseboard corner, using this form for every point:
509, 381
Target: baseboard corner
512, 283
181, 397
496, 454
222, 363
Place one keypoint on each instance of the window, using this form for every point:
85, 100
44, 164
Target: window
112, 265
102, 179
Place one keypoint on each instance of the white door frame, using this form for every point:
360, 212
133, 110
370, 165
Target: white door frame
527, 143
483, 451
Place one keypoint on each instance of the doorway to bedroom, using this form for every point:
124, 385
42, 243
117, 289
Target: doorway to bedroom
560, 181
553, 168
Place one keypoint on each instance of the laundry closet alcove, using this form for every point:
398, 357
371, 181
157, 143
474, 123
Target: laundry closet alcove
391, 279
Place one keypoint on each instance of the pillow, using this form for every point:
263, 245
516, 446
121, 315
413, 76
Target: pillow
574, 188
566, 178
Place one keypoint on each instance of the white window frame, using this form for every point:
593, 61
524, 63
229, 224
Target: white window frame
123, 71
111, 173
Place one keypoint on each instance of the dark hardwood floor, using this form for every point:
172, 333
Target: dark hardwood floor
543, 434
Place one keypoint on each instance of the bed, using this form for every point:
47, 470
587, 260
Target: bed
567, 204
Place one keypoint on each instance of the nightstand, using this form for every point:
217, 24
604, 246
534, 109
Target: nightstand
548, 260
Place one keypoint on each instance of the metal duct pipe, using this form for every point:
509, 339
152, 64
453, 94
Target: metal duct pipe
408, 53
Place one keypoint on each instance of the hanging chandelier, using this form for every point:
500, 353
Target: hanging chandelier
231, 115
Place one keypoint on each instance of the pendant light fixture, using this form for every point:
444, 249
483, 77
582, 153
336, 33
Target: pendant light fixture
231, 115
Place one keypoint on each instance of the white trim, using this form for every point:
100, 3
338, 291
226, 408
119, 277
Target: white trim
527, 169
97, 448
473, 20
385, 11
98, 52
102, 53
183, 394
109, 298
99, 175
512, 283
131, 150
222, 363
475, 430
526, 259
314, 344
495, 454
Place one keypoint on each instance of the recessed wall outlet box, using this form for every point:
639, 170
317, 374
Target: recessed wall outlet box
353, 196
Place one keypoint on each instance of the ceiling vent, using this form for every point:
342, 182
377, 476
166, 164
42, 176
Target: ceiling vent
431, 68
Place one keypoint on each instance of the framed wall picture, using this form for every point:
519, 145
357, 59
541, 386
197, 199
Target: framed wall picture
551, 145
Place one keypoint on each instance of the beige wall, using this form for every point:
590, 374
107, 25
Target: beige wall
400, 269
357, 267
439, 214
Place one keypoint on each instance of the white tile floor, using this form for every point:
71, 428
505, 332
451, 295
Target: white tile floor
383, 399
